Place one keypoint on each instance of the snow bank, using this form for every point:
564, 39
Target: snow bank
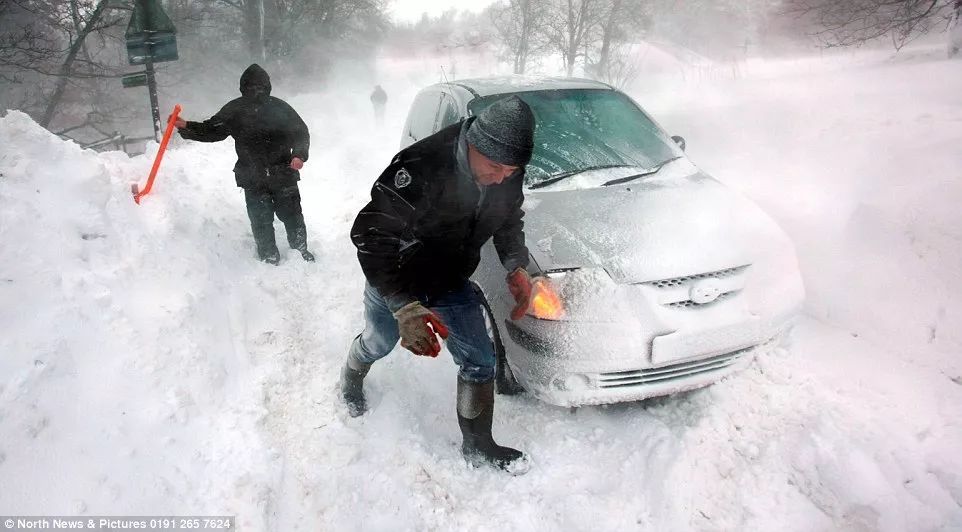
126, 385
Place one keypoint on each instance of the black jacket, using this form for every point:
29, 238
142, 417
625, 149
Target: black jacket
422, 232
267, 132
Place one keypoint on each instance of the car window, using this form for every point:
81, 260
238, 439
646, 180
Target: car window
424, 110
578, 129
449, 112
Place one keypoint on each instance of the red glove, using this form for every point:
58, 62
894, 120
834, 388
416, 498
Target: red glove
418, 327
297, 163
519, 283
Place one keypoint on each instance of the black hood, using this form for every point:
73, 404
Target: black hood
255, 81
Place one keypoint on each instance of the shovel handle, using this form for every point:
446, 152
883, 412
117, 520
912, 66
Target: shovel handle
160, 155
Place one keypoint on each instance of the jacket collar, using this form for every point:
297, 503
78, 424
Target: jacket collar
461, 154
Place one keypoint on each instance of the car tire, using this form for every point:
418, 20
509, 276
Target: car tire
504, 381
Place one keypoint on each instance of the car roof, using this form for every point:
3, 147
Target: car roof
481, 87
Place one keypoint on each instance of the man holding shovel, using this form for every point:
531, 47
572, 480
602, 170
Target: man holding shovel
272, 145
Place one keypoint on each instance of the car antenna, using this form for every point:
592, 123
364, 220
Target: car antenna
443, 75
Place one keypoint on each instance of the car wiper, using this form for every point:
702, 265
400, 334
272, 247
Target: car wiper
637, 176
565, 175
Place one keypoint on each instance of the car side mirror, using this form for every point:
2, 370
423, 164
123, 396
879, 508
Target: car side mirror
680, 141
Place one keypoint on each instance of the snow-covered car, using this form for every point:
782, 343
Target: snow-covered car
659, 278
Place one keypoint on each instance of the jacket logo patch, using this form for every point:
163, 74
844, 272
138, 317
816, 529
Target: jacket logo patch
402, 178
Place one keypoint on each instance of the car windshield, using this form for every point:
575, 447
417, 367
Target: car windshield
584, 129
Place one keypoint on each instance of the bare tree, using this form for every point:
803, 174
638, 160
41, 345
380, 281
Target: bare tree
856, 22
48, 43
61, 60
84, 29
520, 24
569, 28
955, 30
610, 27
620, 23
280, 28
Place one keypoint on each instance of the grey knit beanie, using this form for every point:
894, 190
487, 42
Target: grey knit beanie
504, 132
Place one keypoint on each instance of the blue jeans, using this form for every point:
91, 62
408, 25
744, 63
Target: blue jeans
460, 311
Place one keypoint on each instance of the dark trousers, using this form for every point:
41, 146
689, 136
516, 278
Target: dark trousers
263, 201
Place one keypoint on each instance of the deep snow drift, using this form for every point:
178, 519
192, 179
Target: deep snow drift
149, 365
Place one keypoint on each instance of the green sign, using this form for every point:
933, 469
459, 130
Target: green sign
134, 80
161, 46
150, 33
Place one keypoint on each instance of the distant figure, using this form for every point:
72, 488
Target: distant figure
379, 100
271, 142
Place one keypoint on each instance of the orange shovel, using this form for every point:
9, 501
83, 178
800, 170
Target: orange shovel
134, 189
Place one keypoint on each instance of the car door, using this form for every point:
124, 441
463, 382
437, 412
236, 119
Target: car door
422, 117
448, 113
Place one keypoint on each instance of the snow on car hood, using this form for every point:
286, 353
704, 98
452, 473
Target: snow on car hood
648, 229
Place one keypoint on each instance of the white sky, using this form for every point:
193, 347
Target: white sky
410, 10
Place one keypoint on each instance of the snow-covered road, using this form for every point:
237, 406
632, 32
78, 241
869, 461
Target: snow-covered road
148, 365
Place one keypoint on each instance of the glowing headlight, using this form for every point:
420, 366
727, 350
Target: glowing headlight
562, 293
545, 302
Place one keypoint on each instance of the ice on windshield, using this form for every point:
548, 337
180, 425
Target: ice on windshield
578, 129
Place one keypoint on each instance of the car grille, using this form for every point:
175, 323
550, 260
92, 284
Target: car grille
640, 377
684, 281
675, 292
689, 303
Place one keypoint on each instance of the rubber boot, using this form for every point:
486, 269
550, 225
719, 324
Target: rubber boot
272, 258
475, 416
297, 236
352, 386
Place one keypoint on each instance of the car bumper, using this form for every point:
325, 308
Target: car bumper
655, 369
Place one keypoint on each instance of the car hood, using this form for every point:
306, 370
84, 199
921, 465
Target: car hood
648, 229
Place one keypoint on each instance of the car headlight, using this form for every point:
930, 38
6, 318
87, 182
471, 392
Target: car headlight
545, 301
556, 292
565, 293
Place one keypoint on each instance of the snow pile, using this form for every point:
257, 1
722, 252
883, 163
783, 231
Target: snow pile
127, 360
150, 365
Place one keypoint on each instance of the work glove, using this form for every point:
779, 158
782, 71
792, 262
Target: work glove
297, 163
418, 327
519, 283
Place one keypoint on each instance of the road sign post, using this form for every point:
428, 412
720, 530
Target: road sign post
152, 93
151, 38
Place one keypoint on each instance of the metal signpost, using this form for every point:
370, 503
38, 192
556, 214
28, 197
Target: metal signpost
151, 38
